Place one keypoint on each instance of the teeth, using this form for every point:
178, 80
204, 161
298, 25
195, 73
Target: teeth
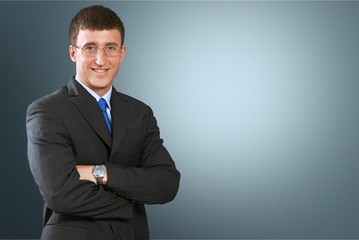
100, 70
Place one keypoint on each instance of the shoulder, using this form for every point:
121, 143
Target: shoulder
52, 100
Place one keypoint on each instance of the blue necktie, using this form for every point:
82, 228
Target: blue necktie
102, 103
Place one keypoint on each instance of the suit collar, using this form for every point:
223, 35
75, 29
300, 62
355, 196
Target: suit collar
88, 107
120, 117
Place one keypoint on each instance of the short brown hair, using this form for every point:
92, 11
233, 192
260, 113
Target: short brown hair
95, 18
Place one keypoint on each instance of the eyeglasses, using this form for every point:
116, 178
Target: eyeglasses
92, 50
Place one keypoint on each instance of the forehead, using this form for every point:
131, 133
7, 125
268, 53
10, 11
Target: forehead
99, 37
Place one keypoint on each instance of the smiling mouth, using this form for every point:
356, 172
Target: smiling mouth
99, 70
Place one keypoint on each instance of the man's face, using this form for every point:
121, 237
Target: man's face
97, 72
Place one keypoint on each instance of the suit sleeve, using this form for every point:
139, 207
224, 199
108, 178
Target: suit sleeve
52, 162
156, 180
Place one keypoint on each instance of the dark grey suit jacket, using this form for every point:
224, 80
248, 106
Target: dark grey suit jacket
67, 128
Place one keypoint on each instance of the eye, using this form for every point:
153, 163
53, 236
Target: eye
90, 48
111, 48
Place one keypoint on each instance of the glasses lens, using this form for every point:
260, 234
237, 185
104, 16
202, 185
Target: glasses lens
112, 51
90, 50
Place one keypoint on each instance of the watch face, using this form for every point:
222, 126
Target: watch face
99, 171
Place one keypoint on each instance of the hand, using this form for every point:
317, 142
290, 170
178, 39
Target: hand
85, 172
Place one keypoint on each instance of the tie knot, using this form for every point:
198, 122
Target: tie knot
103, 104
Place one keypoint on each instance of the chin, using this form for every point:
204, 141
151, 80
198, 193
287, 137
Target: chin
101, 83
101, 87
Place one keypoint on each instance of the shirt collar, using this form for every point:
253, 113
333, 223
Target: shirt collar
107, 95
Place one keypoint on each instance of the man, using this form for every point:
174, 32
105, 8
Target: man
96, 154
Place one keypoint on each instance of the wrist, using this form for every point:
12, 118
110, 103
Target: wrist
99, 173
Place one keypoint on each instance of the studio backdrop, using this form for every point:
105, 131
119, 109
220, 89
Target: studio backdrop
257, 102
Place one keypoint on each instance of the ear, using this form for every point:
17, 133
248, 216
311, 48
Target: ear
123, 53
72, 52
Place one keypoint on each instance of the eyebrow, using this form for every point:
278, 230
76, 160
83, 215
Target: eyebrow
107, 44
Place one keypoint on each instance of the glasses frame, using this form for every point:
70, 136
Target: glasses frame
98, 49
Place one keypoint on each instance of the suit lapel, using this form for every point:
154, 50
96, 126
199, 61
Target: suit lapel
120, 118
88, 107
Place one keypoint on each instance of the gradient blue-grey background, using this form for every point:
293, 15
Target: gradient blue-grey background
257, 103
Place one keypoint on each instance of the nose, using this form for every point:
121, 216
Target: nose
100, 57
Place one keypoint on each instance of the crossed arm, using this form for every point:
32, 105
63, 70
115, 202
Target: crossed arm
52, 162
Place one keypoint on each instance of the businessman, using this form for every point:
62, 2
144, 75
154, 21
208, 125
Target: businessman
95, 153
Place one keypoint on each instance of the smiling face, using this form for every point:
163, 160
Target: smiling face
97, 72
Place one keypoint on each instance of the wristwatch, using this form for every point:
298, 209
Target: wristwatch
98, 172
